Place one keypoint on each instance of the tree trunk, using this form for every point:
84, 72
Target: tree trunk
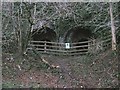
112, 28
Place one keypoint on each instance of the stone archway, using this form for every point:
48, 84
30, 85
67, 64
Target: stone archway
79, 35
44, 34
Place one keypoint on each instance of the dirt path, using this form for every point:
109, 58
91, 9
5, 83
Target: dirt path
70, 79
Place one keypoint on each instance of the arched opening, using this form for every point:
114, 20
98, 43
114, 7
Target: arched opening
45, 35
80, 36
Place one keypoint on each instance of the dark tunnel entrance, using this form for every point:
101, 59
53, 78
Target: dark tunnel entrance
83, 45
80, 36
44, 36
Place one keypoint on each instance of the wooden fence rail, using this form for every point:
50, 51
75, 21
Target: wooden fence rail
58, 46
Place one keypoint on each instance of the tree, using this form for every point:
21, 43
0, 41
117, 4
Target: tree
112, 28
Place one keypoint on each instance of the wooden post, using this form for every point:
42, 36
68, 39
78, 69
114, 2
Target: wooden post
45, 46
112, 28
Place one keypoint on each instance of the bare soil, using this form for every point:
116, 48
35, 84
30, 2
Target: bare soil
87, 71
